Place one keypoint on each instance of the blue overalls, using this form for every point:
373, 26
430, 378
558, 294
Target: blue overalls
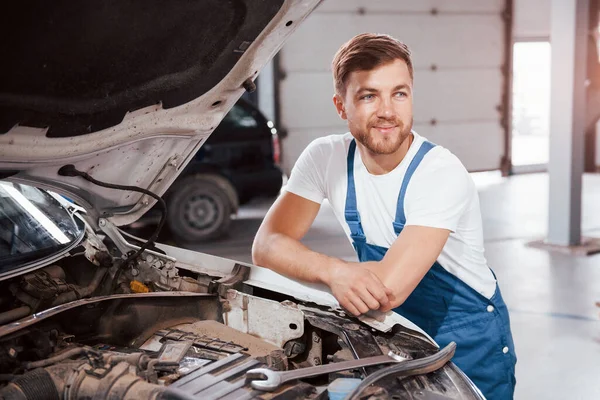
445, 307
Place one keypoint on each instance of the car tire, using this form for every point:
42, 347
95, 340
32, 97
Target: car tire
200, 208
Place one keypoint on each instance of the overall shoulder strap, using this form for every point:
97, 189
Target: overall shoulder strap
400, 216
351, 210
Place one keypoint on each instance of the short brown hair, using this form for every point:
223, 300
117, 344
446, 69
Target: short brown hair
363, 53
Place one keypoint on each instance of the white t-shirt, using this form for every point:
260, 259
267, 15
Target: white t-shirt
441, 194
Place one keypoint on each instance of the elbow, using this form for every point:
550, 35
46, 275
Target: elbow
257, 257
398, 298
257, 253
259, 250
398, 289
264, 248
399, 294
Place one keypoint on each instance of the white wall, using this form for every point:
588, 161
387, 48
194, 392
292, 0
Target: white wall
531, 19
597, 145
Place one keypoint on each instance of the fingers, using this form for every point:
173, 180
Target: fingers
368, 298
363, 300
346, 304
379, 292
359, 305
354, 304
360, 290
392, 300
374, 293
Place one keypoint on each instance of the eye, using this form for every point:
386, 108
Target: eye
366, 97
401, 94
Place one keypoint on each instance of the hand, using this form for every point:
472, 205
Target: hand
357, 289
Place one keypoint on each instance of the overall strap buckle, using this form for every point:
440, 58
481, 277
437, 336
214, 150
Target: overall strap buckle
398, 226
353, 221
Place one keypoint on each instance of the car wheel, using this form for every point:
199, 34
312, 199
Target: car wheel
200, 208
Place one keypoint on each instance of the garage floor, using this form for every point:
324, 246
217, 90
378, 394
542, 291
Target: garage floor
551, 297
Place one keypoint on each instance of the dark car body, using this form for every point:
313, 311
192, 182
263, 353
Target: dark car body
238, 162
244, 149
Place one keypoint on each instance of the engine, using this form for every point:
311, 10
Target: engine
105, 371
91, 327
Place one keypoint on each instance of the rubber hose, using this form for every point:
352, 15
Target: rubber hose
53, 360
15, 314
12, 392
34, 385
83, 291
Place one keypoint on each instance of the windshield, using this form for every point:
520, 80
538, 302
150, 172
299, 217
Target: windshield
33, 225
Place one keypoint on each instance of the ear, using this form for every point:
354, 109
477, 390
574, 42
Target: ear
339, 106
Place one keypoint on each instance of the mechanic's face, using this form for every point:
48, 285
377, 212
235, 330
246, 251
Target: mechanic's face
378, 106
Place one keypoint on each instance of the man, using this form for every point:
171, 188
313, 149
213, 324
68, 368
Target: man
410, 210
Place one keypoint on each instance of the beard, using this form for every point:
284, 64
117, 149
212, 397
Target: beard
383, 144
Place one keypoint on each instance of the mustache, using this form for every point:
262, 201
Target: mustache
385, 121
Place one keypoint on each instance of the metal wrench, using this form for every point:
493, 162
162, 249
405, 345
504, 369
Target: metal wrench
274, 379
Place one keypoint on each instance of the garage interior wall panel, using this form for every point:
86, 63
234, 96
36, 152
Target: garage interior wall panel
531, 20
458, 53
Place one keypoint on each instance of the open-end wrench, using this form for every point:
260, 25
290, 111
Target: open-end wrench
274, 379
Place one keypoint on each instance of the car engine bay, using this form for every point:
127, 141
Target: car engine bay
91, 327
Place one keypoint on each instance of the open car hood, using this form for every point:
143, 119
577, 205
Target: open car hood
126, 90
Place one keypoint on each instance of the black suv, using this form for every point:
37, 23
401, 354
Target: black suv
238, 162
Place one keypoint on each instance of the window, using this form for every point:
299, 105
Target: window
531, 103
239, 118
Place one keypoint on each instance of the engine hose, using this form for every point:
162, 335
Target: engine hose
407, 368
83, 291
34, 385
13, 315
70, 170
78, 351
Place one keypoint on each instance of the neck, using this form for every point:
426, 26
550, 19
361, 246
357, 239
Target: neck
380, 164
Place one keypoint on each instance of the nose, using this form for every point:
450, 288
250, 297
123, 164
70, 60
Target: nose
385, 109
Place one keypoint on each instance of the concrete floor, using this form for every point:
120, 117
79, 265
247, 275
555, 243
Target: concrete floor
551, 297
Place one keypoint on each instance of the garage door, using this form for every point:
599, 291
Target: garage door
459, 53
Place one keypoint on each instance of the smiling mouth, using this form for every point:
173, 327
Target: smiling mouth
385, 129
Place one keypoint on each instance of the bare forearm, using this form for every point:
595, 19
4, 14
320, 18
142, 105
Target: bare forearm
277, 246
356, 289
291, 258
